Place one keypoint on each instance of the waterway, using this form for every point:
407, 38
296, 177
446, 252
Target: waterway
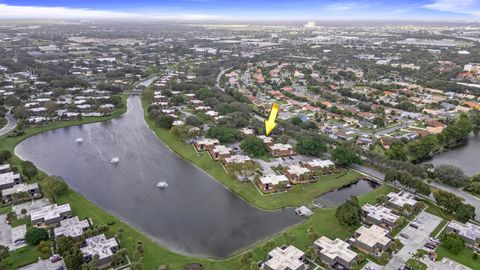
342, 194
195, 215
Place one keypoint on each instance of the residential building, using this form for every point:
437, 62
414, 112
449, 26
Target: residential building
297, 174
101, 246
401, 199
9, 179
17, 192
335, 253
281, 150
267, 140
206, 144
285, 258
379, 215
270, 182
469, 232
320, 165
220, 152
50, 214
237, 159
372, 240
71, 227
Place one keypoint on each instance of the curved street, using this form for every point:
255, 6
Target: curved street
11, 124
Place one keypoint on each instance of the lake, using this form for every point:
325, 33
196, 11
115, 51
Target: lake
465, 156
195, 215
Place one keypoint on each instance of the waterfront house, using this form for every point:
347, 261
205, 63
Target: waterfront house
9, 179
297, 174
271, 182
206, 144
285, 258
220, 152
281, 150
335, 253
71, 227
237, 159
373, 240
50, 215
101, 246
324, 166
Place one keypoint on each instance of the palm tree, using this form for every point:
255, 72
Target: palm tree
418, 256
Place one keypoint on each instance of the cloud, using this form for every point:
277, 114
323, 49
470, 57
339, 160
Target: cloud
39, 12
470, 7
341, 6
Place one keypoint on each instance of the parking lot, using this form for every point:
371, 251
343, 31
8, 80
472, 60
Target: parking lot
416, 240
444, 264
9, 235
44, 265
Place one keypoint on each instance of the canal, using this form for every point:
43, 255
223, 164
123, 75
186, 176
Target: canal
336, 197
195, 215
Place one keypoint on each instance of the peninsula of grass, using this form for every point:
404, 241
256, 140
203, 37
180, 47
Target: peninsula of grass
417, 265
296, 196
465, 257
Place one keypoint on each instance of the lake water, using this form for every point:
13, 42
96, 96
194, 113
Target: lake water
340, 195
195, 215
466, 156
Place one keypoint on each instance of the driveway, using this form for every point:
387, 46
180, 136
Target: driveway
9, 235
416, 239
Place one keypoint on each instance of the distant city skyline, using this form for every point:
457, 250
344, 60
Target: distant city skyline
243, 10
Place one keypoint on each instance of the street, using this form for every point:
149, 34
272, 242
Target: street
11, 124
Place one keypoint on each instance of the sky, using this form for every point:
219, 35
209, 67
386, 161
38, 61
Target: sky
438, 10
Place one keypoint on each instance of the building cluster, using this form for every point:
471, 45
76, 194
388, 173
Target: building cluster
12, 188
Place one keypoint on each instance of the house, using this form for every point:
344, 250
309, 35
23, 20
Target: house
270, 182
335, 253
398, 200
220, 152
267, 140
372, 240
4, 168
101, 246
281, 150
469, 232
50, 214
386, 141
205, 144
9, 179
285, 258
248, 132
14, 194
71, 227
297, 174
379, 215
237, 159
320, 165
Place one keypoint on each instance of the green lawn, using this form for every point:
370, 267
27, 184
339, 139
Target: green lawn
440, 226
20, 221
416, 265
21, 257
297, 195
465, 257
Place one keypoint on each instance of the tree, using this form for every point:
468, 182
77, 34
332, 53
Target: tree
4, 252
35, 235
185, 132
44, 249
465, 212
246, 258
5, 155
28, 169
268, 246
344, 156
397, 151
311, 253
64, 245
54, 186
311, 145
451, 175
453, 243
349, 213
447, 200
223, 134
424, 147
164, 121
254, 146
73, 259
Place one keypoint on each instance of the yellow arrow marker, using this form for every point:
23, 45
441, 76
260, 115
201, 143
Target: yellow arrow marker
270, 123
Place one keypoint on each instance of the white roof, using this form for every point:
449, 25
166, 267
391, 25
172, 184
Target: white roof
100, 245
372, 236
237, 159
285, 259
71, 227
8, 177
321, 163
221, 149
467, 230
379, 212
402, 198
273, 179
208, 141
19, 188
50, 211
265, 139
297, 170
335, 248
281, 146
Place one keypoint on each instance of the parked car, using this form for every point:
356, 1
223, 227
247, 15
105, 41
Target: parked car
55, 258
404, 235
413, 225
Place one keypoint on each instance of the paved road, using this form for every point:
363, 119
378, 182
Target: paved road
220, 74
468, 198
11, 124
